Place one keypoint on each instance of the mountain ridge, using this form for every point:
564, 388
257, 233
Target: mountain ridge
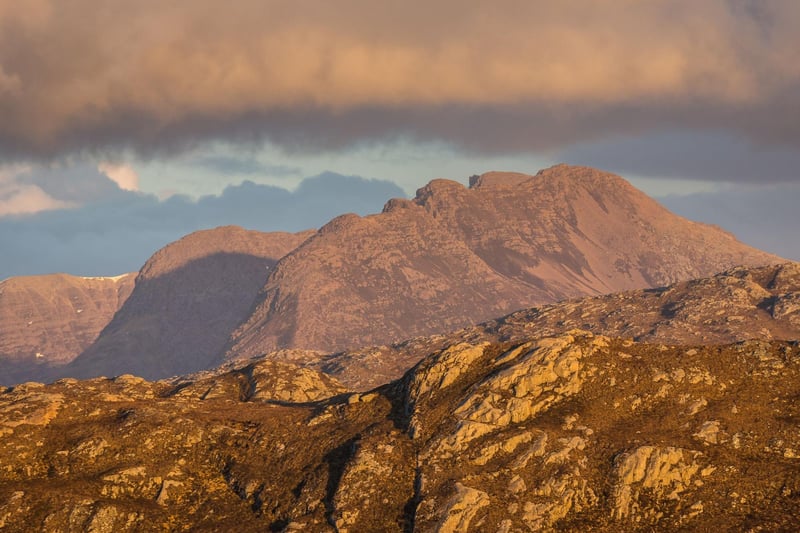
741, 304
187, 298
450, 257
510, 241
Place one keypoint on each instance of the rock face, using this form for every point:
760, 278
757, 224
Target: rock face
45, 321
187, 299
574, 432
736, 305
454, 256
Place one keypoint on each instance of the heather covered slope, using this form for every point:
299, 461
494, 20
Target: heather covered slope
45, 321
573, 432
187, 299
454, 256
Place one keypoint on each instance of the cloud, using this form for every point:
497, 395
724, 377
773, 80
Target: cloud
765, 217
68, 184
116, 233
123, 175
527, 76
18, 197
230, 165
711, 156
16, 200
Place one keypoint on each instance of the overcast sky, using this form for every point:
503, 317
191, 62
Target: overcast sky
164, 103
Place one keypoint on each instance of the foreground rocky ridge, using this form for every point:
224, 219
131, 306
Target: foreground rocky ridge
571, 432
735, 305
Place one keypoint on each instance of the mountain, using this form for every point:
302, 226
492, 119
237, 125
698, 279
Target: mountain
454, 256
574, 432
187, 299
736, 305
451, 257
46, 320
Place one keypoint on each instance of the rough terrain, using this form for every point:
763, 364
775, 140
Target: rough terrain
573, 432
735, 305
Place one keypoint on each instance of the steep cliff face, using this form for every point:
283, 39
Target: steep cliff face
380, 277
187, 299
46, 321
574, 432
453, 256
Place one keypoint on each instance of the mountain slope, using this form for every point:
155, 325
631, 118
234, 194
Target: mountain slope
187, 299
736, 305
46, 321
453, 256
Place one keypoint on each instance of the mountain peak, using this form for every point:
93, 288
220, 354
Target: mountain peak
453, 256
560, 172
589, 177
498, 179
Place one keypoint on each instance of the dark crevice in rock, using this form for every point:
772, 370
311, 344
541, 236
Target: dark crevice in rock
337, 460
410, 509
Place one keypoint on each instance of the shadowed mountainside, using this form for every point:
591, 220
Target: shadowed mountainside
454, 256
187, 299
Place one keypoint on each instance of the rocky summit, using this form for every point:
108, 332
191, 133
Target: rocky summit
573, 432
454, 256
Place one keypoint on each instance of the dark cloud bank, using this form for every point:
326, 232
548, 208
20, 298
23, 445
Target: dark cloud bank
665, 88
117, 231
157, 77
768, 219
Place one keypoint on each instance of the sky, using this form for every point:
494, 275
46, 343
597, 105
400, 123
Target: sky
124, 125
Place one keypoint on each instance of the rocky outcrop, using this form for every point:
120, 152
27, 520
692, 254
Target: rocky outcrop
735, 305
459, 512
571, 432
454, 256
661, 472
264, 381
46, 321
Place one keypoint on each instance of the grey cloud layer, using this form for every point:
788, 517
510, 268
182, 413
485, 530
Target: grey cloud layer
710, 156
116, 233
98, 76
767, 218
